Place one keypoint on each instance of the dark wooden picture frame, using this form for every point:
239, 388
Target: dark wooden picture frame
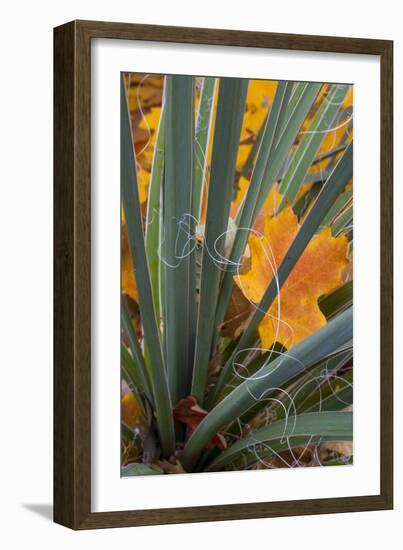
72, 269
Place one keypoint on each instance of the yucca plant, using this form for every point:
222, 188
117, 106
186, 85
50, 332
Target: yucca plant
236, 274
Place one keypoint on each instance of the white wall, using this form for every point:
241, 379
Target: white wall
26, 268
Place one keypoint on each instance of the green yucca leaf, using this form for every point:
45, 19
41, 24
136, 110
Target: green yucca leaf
274, 448
127, 433
305, 200
335, 426
179, 257
314, 382
296, 92
125, 375
338, 205
230, 111
297, 389
264, 452
152, 228
332, 188
245, 217
203, 126
135, 237
342, 221
303, 102
317, 177
337, 394
337, 333
329, 154
133, 365
153, 220
296, 97
338, 460
161, 274
321, 123
251, 368
286, 113
138, 469
337, 301
344, 118
280, 124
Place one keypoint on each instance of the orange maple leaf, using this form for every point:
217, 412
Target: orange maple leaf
318, 271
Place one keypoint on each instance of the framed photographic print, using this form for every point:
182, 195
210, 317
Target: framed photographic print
223, 275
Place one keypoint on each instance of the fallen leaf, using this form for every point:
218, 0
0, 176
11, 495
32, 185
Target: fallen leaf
143, 180
317, 272
269, 207
145, 91
341, 447
168, 467
238, 311
188, 412
259, 97
297, 457
131, 412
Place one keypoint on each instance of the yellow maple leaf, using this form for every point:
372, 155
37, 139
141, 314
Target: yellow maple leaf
318, 271
143, 180
131, 412
269, 207
259, 97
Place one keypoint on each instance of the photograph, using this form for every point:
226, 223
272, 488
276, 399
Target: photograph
201, 218
236, 274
